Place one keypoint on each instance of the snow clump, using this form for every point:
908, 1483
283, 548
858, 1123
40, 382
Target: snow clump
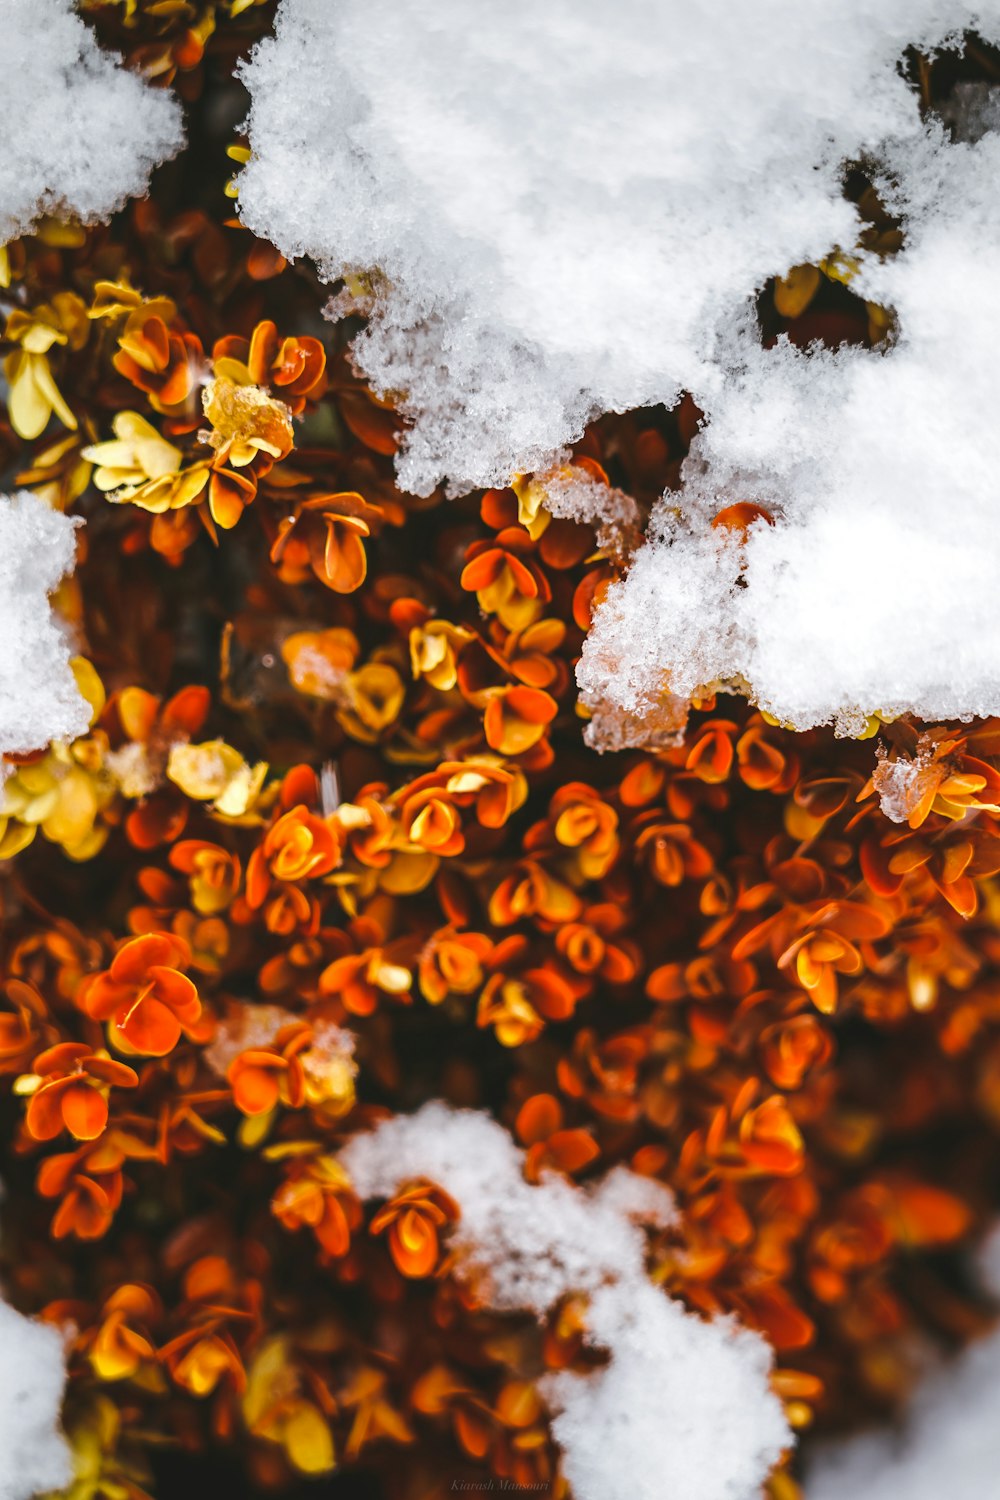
547, 216
33, 1452
81, 133
39, 698
683, 1407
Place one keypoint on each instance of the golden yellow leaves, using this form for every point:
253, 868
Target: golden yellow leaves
214, 772
34, 396
140, 467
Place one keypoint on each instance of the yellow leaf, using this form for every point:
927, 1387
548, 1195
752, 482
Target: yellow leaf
14, 838
794, 292
28, 410
203, 772
49, 391
307, 1441
90, 685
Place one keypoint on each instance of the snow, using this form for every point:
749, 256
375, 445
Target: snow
875, 589
251, 1026
683, 1408
39, 699
549, 217
570, 493
902, 783
972, 110
33, 1452
949, 1442
81, 134
246, 1026
562, 213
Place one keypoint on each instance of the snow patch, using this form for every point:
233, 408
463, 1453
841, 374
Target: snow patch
548, 216
39, 699
33, 1452
683, 1408
949, 1441
81, 133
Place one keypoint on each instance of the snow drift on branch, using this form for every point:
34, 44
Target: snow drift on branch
552, 213
683, 1407
33, 1453
39, 699
81, 135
